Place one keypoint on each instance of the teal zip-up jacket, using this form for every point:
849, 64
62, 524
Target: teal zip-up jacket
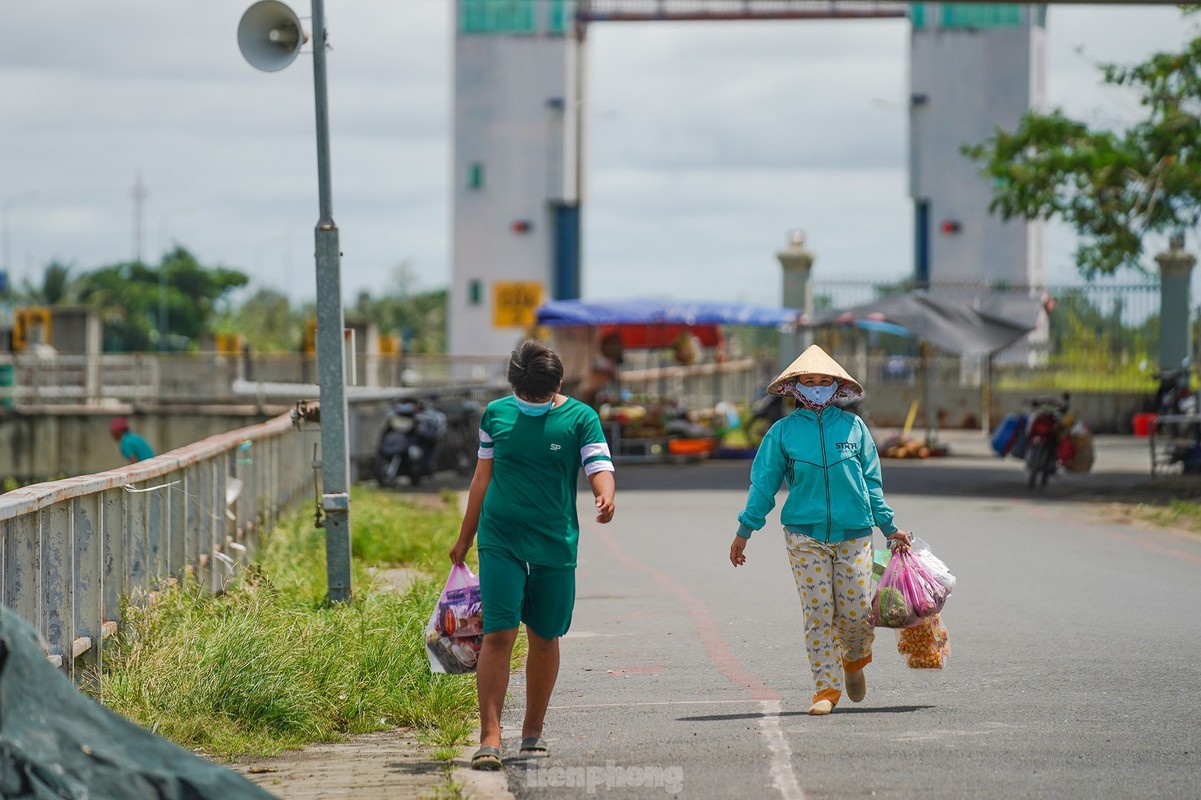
830, 464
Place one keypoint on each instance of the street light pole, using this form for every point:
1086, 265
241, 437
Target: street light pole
269, 37
335, 464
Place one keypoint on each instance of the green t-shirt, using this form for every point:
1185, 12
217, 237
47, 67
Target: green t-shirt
529, 509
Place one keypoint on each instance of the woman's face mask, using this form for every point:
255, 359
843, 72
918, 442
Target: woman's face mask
533, 409
818, 395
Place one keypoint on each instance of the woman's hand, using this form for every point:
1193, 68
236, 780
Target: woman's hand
737, 556
900, 539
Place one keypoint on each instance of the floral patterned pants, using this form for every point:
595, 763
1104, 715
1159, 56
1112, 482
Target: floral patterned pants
835, 582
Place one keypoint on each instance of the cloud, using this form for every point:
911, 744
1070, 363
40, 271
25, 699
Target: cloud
707, 141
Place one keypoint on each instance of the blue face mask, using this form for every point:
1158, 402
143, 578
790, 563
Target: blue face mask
533, 409
818, 395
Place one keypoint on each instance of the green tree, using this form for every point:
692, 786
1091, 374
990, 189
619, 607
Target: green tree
267, 322
56, 288
1113, 187
419, 318
128, 297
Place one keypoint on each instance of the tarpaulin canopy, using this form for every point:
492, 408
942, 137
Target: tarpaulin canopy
655, 335
645, 311
982, 326
56, 742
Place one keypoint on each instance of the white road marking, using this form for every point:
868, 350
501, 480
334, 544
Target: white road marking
783, 779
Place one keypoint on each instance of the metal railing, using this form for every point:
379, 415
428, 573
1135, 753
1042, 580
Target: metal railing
72, 552
699, 385
1096, 337
149, 379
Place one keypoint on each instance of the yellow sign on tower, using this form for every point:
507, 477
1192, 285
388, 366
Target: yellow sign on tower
31, 326
514, 302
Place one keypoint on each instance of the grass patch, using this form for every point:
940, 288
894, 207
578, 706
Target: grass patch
446, 754
269, 665
1183, 514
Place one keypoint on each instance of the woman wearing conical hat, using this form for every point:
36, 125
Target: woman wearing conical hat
828, 460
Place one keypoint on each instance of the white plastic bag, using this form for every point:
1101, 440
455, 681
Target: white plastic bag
943, 575
455, 632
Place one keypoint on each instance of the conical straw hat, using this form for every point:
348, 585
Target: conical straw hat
814, 361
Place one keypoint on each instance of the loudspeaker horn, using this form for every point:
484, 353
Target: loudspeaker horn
270, 35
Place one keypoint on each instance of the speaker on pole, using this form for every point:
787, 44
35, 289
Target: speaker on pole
270, 35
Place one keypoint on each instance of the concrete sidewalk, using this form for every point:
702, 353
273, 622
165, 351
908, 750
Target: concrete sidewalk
390, 764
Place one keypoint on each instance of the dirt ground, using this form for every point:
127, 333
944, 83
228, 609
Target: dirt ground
389, 764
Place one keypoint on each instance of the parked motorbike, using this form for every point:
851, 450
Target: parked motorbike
461, 442
1174, 397
1046, 434
764, 413
409, 442
420, 438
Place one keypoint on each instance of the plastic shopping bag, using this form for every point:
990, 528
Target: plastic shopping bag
880, 559
455, 631
925, 645
907, 592
934, 564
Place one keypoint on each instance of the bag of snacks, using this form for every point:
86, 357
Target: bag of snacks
455, 631
926, 644
907, 592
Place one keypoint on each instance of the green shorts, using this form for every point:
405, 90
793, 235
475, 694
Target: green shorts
513, 591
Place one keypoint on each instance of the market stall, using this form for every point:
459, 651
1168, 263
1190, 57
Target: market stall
681, 346
979, 326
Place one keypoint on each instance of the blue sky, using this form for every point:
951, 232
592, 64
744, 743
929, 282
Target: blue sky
708, 142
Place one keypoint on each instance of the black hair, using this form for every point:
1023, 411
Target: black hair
535, 371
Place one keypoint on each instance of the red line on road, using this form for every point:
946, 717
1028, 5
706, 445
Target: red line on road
716, 646
1171, 551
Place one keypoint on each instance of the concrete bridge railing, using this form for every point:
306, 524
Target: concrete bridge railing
72, 551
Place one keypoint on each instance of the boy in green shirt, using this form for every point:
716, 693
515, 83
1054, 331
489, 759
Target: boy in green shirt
522, 506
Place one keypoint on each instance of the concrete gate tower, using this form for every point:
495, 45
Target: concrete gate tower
518, 72
518, 144
972, 67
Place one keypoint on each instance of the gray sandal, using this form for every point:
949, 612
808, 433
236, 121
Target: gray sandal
486, 758
533, 746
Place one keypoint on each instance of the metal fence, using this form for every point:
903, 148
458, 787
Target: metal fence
1101, 336
1096, 337
72, 552
146, 379
699, 385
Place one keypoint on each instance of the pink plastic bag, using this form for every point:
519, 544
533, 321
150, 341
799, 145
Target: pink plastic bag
908, 592
455, 631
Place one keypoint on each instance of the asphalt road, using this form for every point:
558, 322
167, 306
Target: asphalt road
1075, 666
